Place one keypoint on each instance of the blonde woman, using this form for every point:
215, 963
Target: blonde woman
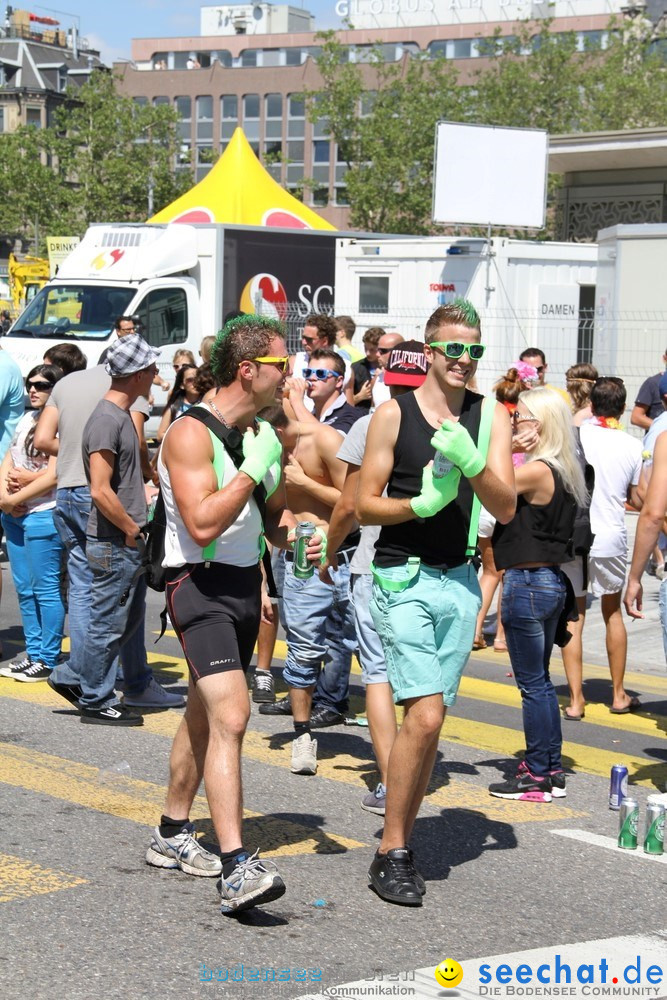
531, 549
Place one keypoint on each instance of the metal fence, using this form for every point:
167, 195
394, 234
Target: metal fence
629, 345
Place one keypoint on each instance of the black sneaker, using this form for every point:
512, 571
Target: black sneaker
70, 692
37, 671
419, 879
525, 787
321, 717
263, 688
112, 715
16, 666
392, 875
281, 707
558, 784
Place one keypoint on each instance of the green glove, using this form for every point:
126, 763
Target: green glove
436, 493
260, 451
323, 535
454, 442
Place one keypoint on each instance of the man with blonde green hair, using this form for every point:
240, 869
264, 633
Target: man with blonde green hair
425, 461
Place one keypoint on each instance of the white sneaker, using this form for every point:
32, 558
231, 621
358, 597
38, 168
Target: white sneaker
182, 851
252, 883
304, 755
154, 696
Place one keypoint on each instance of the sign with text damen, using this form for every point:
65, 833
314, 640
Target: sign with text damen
558, 323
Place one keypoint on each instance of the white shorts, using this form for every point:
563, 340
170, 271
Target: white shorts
574, 571
486, 524
607, 574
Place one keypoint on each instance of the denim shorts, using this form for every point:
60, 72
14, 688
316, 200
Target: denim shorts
427, 629
371, 657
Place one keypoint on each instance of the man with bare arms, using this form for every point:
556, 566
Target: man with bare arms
318, 619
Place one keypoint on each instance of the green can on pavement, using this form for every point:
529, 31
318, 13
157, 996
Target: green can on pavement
628, 821
654, 840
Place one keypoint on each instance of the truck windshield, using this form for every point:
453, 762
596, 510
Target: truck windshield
80, 312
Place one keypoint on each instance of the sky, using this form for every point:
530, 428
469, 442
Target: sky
110, 27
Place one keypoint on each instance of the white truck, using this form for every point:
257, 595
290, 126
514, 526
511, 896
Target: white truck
528, 293
178, 280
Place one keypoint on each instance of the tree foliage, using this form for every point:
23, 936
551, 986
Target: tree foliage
96, 162
538, 79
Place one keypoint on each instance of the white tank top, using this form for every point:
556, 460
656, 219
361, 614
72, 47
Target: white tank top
242, 542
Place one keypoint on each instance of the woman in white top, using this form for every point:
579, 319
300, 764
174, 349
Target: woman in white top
27, 501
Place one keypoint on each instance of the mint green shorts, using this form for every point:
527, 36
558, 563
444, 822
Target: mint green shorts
427, 630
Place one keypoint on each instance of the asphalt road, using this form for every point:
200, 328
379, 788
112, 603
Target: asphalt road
83, 916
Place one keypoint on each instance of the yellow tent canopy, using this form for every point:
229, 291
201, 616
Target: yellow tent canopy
238, 190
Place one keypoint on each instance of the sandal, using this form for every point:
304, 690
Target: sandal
500, 646
479, 642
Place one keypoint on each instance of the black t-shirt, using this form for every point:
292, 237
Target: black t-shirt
363, 371
439, 541
538, 533
649, 396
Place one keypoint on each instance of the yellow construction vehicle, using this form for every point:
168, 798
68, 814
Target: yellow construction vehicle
26, 275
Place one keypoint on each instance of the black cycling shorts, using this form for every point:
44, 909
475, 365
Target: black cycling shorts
215, 611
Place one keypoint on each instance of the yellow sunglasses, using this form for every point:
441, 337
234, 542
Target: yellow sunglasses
281, 362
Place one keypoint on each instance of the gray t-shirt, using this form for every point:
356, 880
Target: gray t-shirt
75, 397
111, 429
352, 451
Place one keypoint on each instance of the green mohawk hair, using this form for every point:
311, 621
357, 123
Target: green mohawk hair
267, 322
467, 310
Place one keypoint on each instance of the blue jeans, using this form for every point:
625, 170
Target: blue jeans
116, 598
321, 637
71, 520
34, 549
533, 600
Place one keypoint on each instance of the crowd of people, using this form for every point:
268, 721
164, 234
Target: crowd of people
354, 497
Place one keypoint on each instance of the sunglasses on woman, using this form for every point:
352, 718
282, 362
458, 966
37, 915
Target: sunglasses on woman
453, 350
40, 386
320, 373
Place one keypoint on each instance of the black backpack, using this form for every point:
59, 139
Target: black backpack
156, 529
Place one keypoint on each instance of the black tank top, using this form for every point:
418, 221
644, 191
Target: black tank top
537, 533
439, 541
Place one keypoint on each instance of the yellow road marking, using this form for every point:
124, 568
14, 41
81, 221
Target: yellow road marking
141, 801
274, 749
496, 693
501, 740
20, 879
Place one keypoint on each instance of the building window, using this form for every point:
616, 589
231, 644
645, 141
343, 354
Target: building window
273, 116
141, 102
161, 101
296, 120
2, 119
204, 117
321, 197
33, 117
183, 106
251, 119
249, 57
159, 60
229, 117
272, 57
342, 197
373, 294
321, 151
293, 57
62, 79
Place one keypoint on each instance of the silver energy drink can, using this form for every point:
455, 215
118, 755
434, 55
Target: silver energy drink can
441, 465
618, 785
303, 569
628, 821
654, 841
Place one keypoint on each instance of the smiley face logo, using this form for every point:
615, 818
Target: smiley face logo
449, 973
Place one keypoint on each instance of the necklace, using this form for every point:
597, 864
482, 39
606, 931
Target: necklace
218, 413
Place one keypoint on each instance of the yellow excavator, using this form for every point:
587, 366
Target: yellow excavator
26, 275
